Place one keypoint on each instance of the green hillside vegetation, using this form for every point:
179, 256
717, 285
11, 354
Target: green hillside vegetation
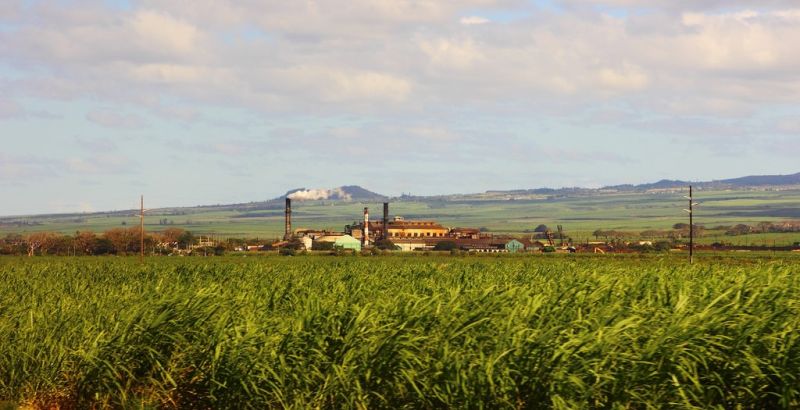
400, 332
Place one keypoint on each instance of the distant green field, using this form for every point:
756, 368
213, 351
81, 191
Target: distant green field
401, 331
580, 216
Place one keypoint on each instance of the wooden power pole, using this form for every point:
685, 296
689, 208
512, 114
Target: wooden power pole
141, 231
691, 224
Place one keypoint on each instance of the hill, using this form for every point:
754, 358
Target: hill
752, 181
762, 180
342, 193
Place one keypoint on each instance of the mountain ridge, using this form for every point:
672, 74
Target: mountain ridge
740, 182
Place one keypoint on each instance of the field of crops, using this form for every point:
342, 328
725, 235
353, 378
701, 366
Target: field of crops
400, 332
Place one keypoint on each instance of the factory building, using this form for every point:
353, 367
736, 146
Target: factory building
407, 235
494, 245
400, 228
483, 245
466, 233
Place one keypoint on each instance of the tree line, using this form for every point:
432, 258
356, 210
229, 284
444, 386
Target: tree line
681, 231
116, 241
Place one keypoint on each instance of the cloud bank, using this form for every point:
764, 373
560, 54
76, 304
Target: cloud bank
709, 57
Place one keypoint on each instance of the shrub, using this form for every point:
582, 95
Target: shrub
445, 246
321, 246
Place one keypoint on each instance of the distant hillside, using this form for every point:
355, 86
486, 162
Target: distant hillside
761, 180
752, 181
360, 194
342, 193
663, 184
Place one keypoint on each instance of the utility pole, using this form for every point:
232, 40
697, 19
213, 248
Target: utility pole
141, 231
691, 224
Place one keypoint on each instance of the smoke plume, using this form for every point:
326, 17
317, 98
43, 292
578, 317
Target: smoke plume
318, 194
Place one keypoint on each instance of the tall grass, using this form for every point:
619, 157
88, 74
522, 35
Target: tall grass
400, 333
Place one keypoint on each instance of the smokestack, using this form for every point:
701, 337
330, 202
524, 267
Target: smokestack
288, 222
365, 237
385, 233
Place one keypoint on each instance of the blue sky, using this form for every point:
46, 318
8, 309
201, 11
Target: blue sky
211, 101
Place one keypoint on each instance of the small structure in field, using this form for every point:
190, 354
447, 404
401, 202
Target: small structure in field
347, 242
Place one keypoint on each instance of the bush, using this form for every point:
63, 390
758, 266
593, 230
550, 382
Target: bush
445, 246
662, 246
321, 246
387, 245
295, 244
287, 252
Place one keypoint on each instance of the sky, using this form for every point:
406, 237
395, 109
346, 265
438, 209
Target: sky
193, 102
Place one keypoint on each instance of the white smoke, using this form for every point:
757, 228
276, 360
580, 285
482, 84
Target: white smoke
319, 194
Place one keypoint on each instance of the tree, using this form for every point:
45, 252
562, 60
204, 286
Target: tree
85, 243
13, 244
699, 231
123, 240
541, 228
172, 235
185, 240
61, 245
765, 227
40, 241
103, 246
651, 234
740, 229
445, 246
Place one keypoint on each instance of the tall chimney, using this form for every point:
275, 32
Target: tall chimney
385, 232
365, 232
288, 222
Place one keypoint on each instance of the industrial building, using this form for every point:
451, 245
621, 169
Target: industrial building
398, 227
406, 235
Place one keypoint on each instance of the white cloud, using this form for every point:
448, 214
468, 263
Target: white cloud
159, 30
473, 20
451, 53
409, 56
625, 78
